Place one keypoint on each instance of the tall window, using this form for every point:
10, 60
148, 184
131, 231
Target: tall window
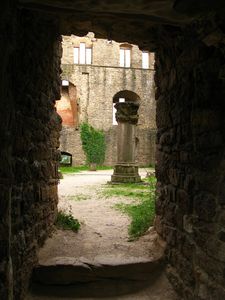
125, 56
82, 54
145, 60
114, 111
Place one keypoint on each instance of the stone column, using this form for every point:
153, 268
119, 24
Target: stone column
126, 170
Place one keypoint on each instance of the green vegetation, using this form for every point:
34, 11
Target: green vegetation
93, 143
142, 211
67, 222
127, 189
78, 169
79, 197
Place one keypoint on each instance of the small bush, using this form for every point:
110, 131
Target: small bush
67, 222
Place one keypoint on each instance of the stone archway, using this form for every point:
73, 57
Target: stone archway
129, 96
189, 44
123, 96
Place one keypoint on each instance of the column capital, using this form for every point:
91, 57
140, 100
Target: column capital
127, 112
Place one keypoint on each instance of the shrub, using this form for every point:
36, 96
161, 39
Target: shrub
67, 221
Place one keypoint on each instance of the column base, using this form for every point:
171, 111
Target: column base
125, 173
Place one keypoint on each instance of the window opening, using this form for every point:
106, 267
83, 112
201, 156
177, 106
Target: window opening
145, 60
125, 56
82, 54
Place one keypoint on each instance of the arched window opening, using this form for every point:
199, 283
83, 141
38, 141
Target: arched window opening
122, 96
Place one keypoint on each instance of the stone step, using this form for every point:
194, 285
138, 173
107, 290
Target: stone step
68, 270
156, 288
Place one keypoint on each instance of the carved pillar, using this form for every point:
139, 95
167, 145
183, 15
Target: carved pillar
126, 170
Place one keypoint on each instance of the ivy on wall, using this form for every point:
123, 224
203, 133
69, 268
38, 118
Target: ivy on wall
93, 143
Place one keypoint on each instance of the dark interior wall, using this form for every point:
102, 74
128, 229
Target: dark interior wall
190, 158
35, 154
29, 140
7, 120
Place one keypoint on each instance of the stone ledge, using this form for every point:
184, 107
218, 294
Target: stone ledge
69, 270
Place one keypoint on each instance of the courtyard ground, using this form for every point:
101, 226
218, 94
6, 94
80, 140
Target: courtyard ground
102, 240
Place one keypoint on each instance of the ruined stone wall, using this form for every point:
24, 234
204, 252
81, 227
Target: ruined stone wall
34, 145
70, 141
190, 158
104, 52
96, 85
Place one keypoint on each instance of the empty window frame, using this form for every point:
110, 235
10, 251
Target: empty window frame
125, 56
82, 54
145, 60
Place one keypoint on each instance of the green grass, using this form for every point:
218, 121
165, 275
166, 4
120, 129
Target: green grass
126, 192
67, 222
77, 169
142, 212
79, 197
142, 216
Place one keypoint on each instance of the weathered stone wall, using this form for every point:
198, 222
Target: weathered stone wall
34, 159
97, 84
190, 158
96, 87
70, 141
104, 52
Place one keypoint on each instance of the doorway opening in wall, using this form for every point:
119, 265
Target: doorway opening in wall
110, 220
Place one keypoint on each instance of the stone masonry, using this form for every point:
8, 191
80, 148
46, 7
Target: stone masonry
190, 159
188, 37
34, 156
96, 84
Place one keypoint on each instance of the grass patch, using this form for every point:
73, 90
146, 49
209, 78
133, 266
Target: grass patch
114, 189
79, 197
67, 222
138, 193
142, 212
77, 169
142, 216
